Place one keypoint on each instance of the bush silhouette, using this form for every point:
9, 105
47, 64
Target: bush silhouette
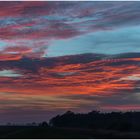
44, 124
126, 121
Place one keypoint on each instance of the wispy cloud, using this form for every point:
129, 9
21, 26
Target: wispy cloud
56, 56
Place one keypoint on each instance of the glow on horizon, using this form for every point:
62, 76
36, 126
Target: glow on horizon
59, 56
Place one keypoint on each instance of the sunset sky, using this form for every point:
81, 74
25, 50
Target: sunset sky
59, 56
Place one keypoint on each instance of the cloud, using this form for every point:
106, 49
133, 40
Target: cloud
79, 74
9, 73
56, 56
48, 21
78, 82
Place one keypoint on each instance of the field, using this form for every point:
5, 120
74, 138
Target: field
34, 132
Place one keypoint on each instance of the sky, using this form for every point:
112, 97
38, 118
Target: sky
59, 56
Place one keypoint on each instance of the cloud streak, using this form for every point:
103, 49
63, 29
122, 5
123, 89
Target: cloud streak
47, 21
56, 56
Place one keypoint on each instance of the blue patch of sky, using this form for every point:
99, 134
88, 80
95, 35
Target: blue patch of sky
2, 45
68, 19
54, 17
116, 41
7, 21
9, 73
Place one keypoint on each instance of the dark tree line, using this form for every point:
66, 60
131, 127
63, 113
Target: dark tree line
122, 121
41, 124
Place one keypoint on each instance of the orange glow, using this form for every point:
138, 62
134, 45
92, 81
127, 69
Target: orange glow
97, 77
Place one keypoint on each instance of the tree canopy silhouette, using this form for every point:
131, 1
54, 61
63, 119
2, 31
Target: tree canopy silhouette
123, 121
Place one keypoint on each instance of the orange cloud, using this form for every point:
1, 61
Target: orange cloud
96, 77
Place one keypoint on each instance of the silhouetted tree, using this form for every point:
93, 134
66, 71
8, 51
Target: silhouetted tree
34, 124
44, 124
122, 121
9, 124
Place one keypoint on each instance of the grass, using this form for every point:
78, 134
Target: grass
36, 132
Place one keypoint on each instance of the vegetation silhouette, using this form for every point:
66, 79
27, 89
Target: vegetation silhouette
94, 124
44, 124
122, 121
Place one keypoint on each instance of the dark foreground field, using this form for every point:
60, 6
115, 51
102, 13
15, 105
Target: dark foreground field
34, 132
